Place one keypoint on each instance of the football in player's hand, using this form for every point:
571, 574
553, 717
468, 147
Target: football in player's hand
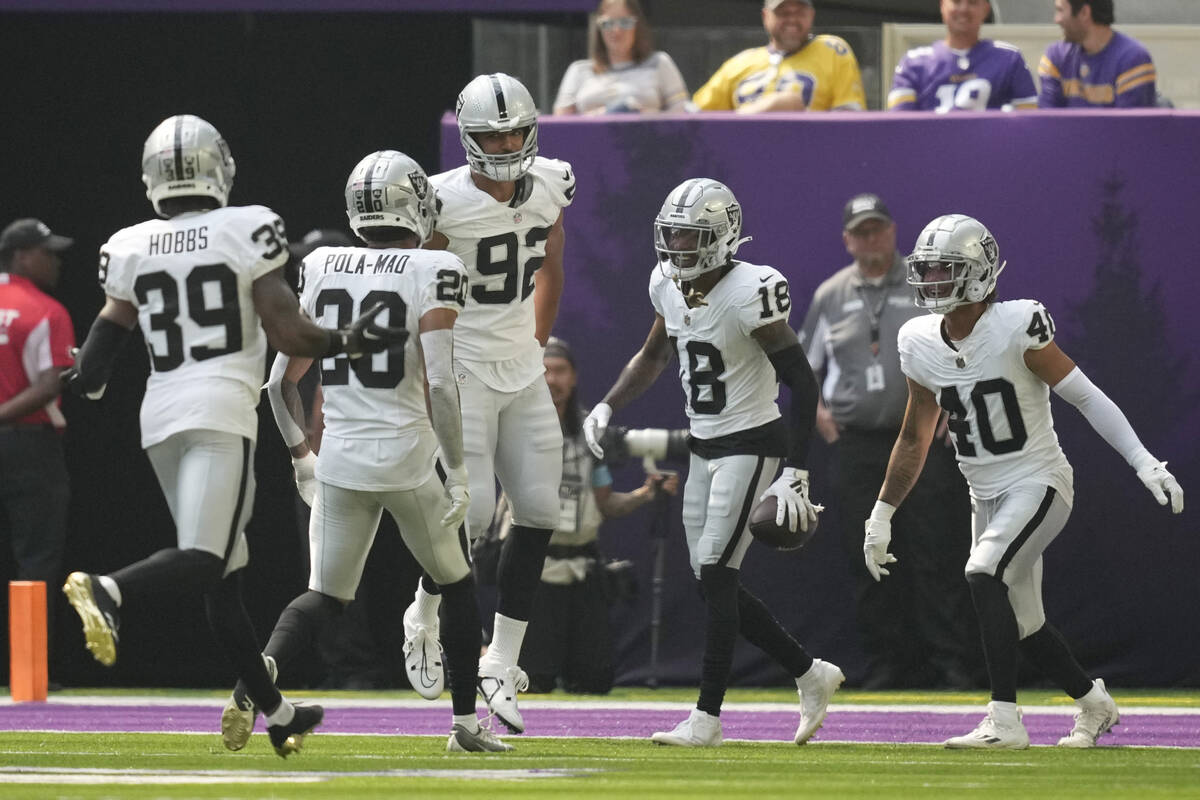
763, 527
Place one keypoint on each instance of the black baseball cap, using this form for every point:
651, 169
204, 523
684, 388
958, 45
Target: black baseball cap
863, 207
29, 232
319, 237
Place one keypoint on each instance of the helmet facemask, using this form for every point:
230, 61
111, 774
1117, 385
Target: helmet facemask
494, 104
185, 156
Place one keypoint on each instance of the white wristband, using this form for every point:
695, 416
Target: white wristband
883, 511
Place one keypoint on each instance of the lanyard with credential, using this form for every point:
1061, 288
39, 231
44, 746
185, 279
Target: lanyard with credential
873, 315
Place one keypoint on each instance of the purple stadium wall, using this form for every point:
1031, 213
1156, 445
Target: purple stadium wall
1093, 212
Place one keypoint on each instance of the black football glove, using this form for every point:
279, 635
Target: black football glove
364, 335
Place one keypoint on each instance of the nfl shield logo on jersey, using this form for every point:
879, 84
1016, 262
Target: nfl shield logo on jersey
517, 218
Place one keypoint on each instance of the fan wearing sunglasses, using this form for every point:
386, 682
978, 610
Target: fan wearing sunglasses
623, 72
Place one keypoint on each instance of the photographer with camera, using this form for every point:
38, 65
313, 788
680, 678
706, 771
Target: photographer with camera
568, 637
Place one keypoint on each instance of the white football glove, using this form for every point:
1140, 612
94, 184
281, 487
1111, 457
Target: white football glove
460, 497
878, 538
306, 477
1162, 485
594, 427
791, 487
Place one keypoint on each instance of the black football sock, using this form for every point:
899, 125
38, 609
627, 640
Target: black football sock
461, 638
522, 557
175, 571
761, 629
428, 585
998, 629
234, 632
1048, 651
299, 625
720, 586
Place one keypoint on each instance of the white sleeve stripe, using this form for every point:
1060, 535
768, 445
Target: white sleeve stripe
36, 356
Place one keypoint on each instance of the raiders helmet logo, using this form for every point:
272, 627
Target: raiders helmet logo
419, 183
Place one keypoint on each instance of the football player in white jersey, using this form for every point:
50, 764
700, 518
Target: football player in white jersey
199, 282
502, 214
727, 321
379, 450
991, 365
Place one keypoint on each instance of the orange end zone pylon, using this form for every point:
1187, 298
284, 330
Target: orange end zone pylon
27, 640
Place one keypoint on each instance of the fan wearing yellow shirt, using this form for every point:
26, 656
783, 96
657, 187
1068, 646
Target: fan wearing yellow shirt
796, 71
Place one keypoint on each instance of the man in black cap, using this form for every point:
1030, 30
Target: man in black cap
913, 633
36, 339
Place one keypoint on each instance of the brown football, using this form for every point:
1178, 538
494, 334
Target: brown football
763, 527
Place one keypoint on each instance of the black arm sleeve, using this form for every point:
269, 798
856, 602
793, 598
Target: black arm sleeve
791, 365
93, 364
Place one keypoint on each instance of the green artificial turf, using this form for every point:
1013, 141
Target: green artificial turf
360, 767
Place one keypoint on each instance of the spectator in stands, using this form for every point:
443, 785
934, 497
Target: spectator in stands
914, 634
1094, 66
796, 71
623, 72
962, 72
569, 638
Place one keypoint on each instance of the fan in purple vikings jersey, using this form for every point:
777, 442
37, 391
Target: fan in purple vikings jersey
962, 72
992, 365
726, 321
1094, 66
502, 214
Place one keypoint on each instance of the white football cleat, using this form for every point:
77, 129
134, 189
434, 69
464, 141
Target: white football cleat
700, 729
816, 688
1097, 716
423, 656
498, 686
997, 731
482, 741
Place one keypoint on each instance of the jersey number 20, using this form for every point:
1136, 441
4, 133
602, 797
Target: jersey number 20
393, 372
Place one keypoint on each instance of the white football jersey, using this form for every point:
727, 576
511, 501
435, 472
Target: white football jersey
190, 278
999, 410
377, 431
502, 246
728, 382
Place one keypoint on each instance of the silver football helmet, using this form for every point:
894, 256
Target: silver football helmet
185, 156
497, 102
389, 189
707, 208
955, 261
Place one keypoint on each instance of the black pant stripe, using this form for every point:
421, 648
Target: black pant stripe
740, 529
1026, 532
236, 524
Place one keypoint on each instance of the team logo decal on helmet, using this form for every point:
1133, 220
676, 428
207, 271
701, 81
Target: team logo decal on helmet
956, 261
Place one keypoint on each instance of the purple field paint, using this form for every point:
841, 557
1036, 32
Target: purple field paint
1178, 730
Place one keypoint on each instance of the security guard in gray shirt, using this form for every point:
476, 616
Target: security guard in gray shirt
913, 632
